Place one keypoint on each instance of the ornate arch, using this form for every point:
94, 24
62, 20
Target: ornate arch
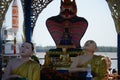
36, 8
114, 6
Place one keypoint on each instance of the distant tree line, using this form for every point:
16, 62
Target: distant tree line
44, 49
107, 49
100, 49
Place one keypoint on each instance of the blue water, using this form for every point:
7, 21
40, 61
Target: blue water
112, 55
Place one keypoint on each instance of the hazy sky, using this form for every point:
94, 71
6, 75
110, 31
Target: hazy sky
101, 26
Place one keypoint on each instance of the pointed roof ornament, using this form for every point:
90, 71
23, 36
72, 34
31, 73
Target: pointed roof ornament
15, 3
68, 2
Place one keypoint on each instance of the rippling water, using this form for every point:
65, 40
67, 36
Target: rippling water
112, 55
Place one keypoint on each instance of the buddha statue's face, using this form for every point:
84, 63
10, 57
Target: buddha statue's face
90, 46
68, 9
26, 50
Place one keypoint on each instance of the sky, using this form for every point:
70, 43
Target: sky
101, 26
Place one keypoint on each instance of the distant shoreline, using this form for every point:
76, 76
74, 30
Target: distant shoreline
100, 49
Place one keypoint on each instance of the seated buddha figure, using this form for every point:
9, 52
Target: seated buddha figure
99, 66
67, 20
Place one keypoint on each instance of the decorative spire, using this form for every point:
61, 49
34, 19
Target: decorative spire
15, 3
68, 2
15, 17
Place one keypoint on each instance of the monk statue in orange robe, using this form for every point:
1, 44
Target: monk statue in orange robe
67, 28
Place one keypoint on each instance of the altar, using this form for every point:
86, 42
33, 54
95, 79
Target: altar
61, 58
67, 30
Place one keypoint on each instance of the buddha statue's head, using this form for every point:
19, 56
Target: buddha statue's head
68, 9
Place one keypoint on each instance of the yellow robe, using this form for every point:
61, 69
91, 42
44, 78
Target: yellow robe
29, 70
98, 67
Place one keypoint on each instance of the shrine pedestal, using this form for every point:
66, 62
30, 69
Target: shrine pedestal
61, 57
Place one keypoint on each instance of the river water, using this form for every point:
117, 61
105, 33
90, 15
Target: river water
112, 55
